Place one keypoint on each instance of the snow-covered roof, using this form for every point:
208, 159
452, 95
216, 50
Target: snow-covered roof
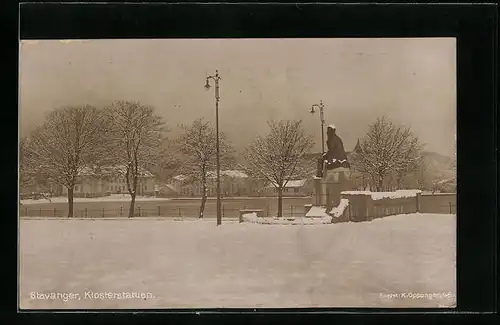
122, 170
109, 171
228, 173
180, 177
234, 173
292, 183
296, 183
86, 171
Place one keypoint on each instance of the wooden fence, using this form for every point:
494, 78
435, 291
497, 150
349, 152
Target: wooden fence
159, 211
364, 207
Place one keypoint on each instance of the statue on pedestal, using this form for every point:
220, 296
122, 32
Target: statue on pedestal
335, 157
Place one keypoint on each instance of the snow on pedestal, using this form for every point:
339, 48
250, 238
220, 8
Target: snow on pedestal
338, 211
318, 212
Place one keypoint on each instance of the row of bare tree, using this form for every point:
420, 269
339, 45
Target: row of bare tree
275, 158
129, 134
74, 139
388, 152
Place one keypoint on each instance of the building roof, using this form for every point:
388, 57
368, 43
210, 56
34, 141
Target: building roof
235, 173
122, 170
357, 148
180, 177
110, 171
297, 183
86, 171
228, 173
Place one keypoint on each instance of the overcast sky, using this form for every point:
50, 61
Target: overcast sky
411, 81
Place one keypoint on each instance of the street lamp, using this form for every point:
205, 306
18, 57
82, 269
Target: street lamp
322, 118
216, 79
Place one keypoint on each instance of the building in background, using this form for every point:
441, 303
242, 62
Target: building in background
234, 183
181, 185
166, 190
117, 182
107, 180
297, 187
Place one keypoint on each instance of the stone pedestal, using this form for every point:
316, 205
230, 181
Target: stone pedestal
327, 189
317, 198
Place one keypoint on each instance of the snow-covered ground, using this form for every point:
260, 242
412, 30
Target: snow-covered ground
110, 198
390, 262
253, 218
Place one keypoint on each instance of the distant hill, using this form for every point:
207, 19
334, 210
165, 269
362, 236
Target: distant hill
438, 159
437, 170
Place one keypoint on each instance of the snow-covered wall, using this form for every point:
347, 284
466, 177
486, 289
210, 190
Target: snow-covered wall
386, 195
367, 205
438, 203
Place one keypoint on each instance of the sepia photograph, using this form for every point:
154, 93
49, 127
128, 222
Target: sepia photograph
237, 173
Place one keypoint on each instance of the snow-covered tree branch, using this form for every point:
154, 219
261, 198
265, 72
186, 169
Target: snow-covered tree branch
135, 141
387, 150
197, 153
26, 166
70, 138
278, 157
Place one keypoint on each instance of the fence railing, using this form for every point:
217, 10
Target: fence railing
449, 207
159, 211
183, 212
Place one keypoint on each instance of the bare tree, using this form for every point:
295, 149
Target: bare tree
70, 139
197, 155
409, 160
278, 156
135, 142
386, 150
26, 175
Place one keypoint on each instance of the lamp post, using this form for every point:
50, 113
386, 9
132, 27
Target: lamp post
322, 118
216, 79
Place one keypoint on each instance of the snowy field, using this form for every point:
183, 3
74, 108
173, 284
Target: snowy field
397, 261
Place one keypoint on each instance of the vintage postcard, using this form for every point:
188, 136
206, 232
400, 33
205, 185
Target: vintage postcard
237, 173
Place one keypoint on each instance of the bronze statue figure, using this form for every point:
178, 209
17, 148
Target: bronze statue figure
335, 157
